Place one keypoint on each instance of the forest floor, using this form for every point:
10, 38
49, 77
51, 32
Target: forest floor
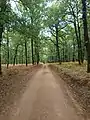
78, 81
13, 83
36, 93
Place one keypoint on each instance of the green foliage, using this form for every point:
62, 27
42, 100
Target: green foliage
36, 19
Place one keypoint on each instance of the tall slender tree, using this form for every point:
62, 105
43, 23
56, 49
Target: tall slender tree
2, 13
86, 36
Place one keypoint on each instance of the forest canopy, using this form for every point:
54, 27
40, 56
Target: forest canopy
33, 31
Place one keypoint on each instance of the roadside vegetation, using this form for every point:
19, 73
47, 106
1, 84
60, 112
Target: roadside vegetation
78, 81
47, 31
13, 83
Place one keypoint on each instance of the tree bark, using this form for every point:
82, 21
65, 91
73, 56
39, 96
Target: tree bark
2, 10
38, 58
22, 54
79, 42
7, 49
32, 51
15, 55
73, 50
76, 32
32, 42
26, 51
37, 51
86, 36
57, 44
1, 31
63, 53
79, 33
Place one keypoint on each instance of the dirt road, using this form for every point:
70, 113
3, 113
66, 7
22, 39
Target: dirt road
44, 99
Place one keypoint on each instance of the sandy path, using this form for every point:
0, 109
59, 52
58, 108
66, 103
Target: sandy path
43, 99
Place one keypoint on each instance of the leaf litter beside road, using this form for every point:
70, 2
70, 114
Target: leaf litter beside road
13, 81
78, 81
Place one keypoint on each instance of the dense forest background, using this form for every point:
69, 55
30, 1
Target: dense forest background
33, 31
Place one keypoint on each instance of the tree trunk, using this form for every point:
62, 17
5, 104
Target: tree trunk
79, 40
1, 31
76, 32
22, 54
15, 55
66, 50
32, 43
57, 45
86, 36
73, 50
7, 50
38, 59
32, 51
79, 33
63, 53
26, 51
37, 51
2, 10
17, 60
